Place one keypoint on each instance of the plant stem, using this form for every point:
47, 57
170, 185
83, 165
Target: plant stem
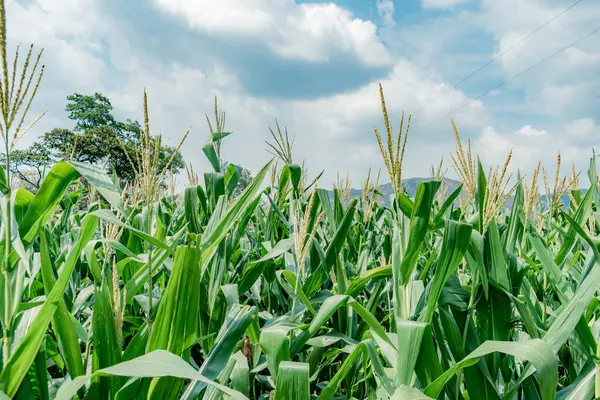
295, 291
469, 312
7, 251
405, 303
150, 320
544, 311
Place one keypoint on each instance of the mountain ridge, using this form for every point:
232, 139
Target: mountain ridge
411, 185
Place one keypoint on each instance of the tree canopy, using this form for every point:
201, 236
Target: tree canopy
97, 137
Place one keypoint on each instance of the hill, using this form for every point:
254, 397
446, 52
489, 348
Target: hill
450, 185
410, 184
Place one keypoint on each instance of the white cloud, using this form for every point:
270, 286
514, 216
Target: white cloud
564, 84
386, 10
583, 130
247, 17
311, 32
528, 130
493, 147
69, 33
582, 59
48, 25
332, 132
407, 88
437, 4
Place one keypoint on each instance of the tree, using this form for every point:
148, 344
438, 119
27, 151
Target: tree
90, 111
28, 165
97, 138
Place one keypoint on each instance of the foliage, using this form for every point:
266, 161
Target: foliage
285, 292
97, 138
299, 295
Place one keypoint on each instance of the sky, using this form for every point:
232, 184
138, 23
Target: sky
315, 66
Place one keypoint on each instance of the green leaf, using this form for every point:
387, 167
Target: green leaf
536, 351
240, 375
209, 150
456, 240
329, 306
419, 223
21, 359
3, 183
51, 192
176, 323
61, 321
108, 216
410, 335
107, 349
237, 321
293, 381
447, 204
580, 217
407, 393
159, 363
275, 343
102, 183
190, 201
210, 241
320, 275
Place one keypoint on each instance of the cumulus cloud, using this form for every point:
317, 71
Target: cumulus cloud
563, 84
311, 32
583, 130
528, 130
493, 146
333, 132
90, 51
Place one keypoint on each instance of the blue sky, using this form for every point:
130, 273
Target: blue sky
315, 66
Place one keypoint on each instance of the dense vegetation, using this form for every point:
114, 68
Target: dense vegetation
96, 138
282, 291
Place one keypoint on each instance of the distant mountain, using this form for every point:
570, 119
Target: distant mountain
411, 185
450, 185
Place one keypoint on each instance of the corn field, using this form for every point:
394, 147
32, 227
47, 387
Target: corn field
289, 291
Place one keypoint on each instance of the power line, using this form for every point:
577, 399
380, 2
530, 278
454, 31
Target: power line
539, 28
514, 77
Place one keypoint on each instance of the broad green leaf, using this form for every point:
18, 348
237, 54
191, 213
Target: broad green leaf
408, 393
61, 321
410, 335
237, 321
176, 323
457, 236
23, 356
275, 343
159, 363
419, 223
107, 347
325, 312
293, 381
536, 351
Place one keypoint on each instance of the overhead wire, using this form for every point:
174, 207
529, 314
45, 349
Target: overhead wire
514, 77
498, 56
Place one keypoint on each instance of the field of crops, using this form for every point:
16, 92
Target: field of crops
287, 291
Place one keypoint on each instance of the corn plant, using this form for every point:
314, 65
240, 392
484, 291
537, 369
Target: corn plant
289, 291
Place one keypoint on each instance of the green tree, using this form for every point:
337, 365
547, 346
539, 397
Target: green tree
97, 138
90, 111
28, 165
